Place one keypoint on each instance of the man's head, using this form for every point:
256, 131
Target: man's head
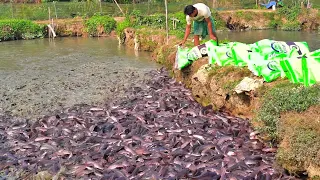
191, 11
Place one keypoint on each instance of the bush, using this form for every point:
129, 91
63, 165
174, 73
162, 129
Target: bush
19, 29
96, 21
121, 26
290, 13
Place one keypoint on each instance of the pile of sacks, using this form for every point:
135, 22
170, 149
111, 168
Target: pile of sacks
267, 58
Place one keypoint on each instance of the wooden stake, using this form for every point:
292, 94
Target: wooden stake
49, 22
167, 30
119, 7
100, 7
55, 9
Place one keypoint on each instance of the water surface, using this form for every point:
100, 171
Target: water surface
38, 76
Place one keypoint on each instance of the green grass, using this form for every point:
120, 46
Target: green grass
282, 98
303, 146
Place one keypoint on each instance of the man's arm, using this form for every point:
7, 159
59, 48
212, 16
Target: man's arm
211, 34
186, 34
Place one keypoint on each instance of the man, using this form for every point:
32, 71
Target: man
202, 20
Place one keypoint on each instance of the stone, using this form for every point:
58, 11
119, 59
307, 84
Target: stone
248, 84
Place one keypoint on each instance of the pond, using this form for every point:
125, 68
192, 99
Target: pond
38, 76
312, 38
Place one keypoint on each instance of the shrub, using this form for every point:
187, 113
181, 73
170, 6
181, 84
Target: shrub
19, 29
96, 21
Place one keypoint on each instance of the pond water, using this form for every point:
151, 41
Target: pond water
312, 38
38, 76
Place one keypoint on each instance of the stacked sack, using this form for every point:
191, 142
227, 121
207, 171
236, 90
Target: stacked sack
267, 58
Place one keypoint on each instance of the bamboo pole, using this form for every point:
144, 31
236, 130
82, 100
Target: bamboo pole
49, 22
55, 9
167, 30
100, 7
11, 8
119, 7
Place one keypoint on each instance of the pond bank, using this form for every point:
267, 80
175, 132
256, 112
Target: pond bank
277, 102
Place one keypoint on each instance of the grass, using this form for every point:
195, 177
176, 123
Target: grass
302, 148
285, 97
300, 132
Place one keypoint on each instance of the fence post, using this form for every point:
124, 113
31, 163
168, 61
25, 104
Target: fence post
55, 9
100, 7
119, 7
11, 7
166, 4
49, 23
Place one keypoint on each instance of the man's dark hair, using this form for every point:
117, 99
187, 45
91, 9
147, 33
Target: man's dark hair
189, 9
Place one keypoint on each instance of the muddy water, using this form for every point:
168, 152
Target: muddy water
38, 76
312, 38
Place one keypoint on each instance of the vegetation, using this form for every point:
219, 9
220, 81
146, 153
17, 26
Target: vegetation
19, 29
301, 150
285, 97
300, 134
94, 23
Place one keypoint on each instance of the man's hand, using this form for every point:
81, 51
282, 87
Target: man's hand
213, 37
211, 33
182, 43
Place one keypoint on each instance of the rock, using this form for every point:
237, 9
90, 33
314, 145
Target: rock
202, 75
248, 84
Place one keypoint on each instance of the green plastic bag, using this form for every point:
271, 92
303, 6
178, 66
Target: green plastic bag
222, 54
293, 68
181, 60
256, 61
211, 45
270, 48
186, 56
240, 53
311, 67
268, 69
